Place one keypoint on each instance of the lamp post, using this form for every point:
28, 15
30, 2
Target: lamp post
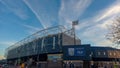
74, 23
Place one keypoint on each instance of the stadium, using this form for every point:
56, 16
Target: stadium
56, 46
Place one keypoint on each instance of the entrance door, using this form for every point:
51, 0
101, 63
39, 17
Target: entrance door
56, 64
42, 65
74, 63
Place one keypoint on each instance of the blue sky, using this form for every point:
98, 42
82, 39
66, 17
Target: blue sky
21, 18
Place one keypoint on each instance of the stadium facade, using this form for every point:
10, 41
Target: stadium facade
52, 47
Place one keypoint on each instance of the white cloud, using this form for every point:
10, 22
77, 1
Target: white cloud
32, 27
41, 11
103, 17
96, 35
16, 7
106, 23
7, 43
71, 10
110, 12
35, 9
95, 28
4, 45
106, 16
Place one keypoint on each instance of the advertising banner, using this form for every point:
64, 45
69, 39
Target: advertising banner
76, 52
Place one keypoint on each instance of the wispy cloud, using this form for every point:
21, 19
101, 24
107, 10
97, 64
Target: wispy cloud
96, 26
4, 45
34, 8
103, 17
111, 11
31, 29
71, 10
16, 7
7, 43
21, 10
96, 35
41, 11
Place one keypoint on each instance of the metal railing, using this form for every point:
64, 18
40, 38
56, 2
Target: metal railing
42, 34
37, 35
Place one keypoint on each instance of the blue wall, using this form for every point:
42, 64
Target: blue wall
76, 52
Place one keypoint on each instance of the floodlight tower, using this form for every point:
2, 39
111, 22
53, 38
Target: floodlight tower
74, 23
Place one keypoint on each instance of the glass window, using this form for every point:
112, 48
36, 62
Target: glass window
54, 57
104, 53
99, 53
114, 53
110, 53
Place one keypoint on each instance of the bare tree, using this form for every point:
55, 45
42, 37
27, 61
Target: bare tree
114, 31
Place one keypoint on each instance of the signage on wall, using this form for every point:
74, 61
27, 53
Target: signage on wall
76, 51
